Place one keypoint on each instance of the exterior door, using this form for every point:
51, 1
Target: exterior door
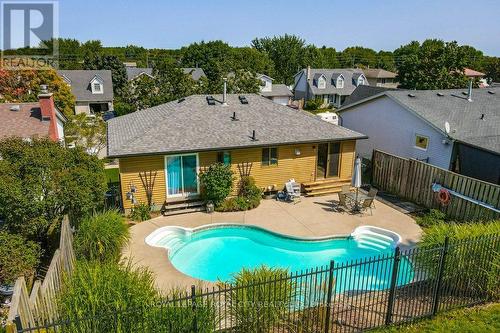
182, 176
328, 160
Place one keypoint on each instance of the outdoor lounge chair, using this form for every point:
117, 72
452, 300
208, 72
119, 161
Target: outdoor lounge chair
293, 191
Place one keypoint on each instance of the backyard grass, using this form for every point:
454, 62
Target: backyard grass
484, 318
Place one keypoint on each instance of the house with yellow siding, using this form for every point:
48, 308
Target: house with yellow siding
173, 142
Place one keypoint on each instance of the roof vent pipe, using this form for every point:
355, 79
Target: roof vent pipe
469, 94
253, 136
224, 96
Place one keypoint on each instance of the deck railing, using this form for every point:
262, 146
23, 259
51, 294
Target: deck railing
392, 288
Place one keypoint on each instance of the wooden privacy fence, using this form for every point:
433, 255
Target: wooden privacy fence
412, 180
40, 305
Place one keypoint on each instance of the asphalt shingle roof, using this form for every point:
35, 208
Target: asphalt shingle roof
133, 72
25, 123
193, 125
476, 123
378, 73
80, 84
277, 90
363, 92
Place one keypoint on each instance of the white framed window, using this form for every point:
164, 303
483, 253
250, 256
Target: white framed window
97, 87
340, 82
421, 141
321, 83
361, 81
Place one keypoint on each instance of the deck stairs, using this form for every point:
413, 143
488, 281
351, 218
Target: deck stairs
182, 207
325, 186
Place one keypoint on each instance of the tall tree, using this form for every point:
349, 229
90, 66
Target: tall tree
492, 69
434, 64
358, 56
24, 86
286, 52
113, 63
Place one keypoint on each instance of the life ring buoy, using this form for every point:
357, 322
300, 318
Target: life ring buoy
444, 197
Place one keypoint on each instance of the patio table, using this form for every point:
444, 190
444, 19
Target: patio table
357, 203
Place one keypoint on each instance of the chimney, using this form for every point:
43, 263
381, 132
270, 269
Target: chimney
469, 94
224, 96
308, 73
48, 111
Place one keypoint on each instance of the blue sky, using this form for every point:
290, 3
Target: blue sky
378, 24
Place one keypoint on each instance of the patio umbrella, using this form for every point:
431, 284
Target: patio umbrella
356, 177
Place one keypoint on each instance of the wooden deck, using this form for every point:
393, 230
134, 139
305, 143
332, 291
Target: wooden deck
325, 186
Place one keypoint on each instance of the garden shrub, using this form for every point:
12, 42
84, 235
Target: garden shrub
433, 217
473, 258
216, 183
255, 306
313, 104
122, 299
101, 237
248, 198
18, 257
140, 212
100, 288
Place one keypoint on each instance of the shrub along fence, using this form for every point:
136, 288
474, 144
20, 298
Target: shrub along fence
412, 180
393, 288
40, 306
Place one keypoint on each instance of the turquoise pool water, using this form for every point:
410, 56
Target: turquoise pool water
215, 254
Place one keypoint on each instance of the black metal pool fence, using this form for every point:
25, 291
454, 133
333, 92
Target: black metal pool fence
340, 297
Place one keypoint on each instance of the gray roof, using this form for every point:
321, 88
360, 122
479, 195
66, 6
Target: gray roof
133, 72
363, 92
80, 84
192, 125
378, 73
277, 90
349, 74
453, 107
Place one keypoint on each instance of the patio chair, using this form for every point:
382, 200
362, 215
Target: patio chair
342, 205
293, 191
372, 193
367, 203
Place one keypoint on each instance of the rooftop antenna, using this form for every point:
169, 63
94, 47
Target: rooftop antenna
469, 94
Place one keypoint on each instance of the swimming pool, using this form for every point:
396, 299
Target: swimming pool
216, 252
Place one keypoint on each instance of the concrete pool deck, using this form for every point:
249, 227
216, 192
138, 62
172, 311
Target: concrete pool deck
312, 217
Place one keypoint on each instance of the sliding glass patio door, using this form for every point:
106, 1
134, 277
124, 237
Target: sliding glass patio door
182, 175
328, 160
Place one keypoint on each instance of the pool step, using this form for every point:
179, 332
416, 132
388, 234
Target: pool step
375, 238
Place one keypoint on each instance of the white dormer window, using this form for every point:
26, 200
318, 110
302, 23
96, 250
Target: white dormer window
340, 82
96, 85
321, 82
361, 80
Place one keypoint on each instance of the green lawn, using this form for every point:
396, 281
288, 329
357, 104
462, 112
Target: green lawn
477, 319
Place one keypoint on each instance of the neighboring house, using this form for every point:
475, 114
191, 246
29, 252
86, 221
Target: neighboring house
278, 93
475, 75
272, 142
453, 129
29, 120
93, 90
135, 72
378, 77
332, 86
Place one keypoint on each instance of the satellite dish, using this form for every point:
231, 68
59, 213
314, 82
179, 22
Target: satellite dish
447, 127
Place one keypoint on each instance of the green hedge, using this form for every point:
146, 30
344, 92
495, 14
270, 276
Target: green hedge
18, 257
248, 198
